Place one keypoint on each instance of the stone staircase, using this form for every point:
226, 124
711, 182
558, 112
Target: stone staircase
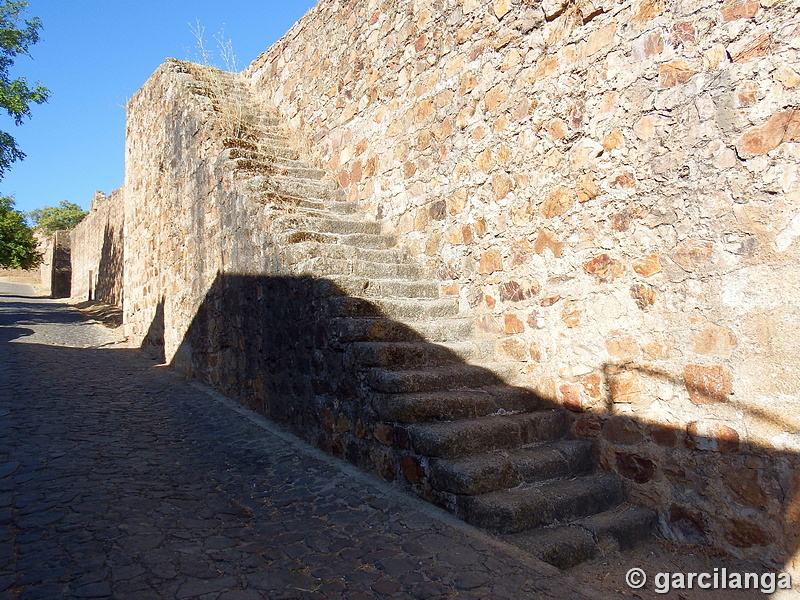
495, 455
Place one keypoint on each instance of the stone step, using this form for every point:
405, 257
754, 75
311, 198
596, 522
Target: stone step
565, 546
369, 240
367, 329
452, 439
304, 250
400, 354
335, 207
322, 266
397, 308
537, 505
450, 405
276, 147
358, 240
484, 473
447, 377
259, 182
321, 225
365, 287
268, 163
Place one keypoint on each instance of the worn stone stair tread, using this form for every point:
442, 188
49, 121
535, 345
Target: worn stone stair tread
337, 226
526, 507
308, 249
488, 472
361, 240
323, 266
380, 329
452, 405
368, 287
430, 379
565, 546
258, 183
451, 439
401, 354
418, 308
375, 353
271, 161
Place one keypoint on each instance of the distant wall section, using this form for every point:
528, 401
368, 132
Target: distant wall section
55, 269
98, 251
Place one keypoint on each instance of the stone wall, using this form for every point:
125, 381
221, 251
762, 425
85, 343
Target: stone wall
97, 251
610, 188
208, 284
55, 270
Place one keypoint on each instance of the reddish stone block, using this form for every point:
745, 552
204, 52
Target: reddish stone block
411, 469
384, 434
513, 348
783, 126
637, 468
746, 534
708, 385
738, 9
622, 430
683, 32
512, 291
557, 202
593, 385
571, 397
669, 437
490, 262
625, 388
647, 10
513, 324
711, 435
337, 447
546, 239
604, 268
674, 73
647, 265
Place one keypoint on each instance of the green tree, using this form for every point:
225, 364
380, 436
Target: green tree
16, 36
17, 244
56, 218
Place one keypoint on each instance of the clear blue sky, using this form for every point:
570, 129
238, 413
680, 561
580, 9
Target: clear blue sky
94, 54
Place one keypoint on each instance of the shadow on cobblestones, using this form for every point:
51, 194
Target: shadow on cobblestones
118, 480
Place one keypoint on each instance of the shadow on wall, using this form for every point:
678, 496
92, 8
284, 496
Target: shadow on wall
153, 342
300, 351
110, 270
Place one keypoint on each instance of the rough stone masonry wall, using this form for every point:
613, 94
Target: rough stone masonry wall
180, 215
54, 270
611, 188
97, 251
206, 286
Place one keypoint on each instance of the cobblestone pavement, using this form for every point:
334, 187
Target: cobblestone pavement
119, 480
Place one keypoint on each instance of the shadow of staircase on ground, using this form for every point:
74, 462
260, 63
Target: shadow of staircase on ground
351, 379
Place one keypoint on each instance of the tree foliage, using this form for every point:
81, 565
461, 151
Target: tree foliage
16, 36
17, 244
50, 219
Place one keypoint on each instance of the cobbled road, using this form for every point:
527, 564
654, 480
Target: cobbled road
120, 480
